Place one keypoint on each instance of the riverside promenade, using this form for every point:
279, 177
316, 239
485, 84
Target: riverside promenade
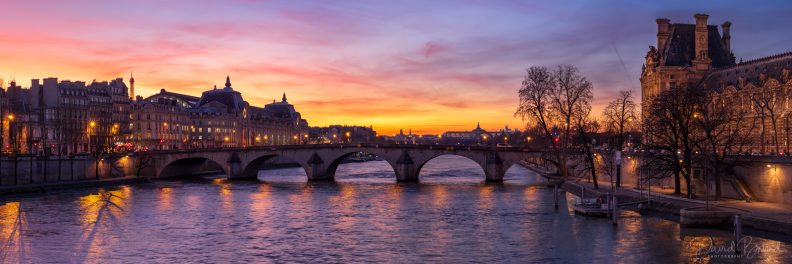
762, 216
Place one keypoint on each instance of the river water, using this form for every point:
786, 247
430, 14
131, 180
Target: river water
450, 217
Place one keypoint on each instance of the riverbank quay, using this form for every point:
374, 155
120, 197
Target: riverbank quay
761, 216
52, 186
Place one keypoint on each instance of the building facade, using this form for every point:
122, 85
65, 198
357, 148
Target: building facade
701, 56
54, 117
477, 136
66, 117
218, 118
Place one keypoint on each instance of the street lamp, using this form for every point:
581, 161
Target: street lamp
11, 133
91, 125
347, 136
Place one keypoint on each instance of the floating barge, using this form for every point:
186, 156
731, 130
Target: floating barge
595, 207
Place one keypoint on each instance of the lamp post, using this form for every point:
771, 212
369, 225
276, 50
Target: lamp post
11, 133
2, 143
163, 135
786, 129
348, 135
91, 126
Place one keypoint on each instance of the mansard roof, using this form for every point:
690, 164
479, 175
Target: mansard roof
188, 99
750, 71
282, 109
681, 49
226, 96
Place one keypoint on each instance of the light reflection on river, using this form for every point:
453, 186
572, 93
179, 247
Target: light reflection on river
452, 216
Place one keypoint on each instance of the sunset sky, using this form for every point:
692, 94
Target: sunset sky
427, 65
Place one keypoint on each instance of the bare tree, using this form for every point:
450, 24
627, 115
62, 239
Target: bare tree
723, 134
767, 105
145, 162
586, 128
670, 132
552, 99
619, 117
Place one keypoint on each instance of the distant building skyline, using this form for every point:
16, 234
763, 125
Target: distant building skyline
431, 66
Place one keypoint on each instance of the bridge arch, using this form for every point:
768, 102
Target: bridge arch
470, 160
332, 167
255, 165
191, 166
515, 171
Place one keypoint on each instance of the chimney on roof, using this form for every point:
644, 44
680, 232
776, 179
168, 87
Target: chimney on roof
726, 36
663, 34
702, 61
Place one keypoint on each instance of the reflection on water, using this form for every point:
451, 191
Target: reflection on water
364, 217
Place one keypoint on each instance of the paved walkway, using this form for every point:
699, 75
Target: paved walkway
768, 213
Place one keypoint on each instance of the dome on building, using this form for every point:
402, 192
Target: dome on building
226, 96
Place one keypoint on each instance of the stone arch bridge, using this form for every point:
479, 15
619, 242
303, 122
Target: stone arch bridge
321, 161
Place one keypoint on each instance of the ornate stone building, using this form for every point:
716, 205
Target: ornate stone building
71, 117
699, 55
219, 118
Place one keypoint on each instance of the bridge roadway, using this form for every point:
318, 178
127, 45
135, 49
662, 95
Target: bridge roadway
321, 161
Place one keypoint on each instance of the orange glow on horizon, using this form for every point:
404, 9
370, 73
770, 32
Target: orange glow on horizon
335, 69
